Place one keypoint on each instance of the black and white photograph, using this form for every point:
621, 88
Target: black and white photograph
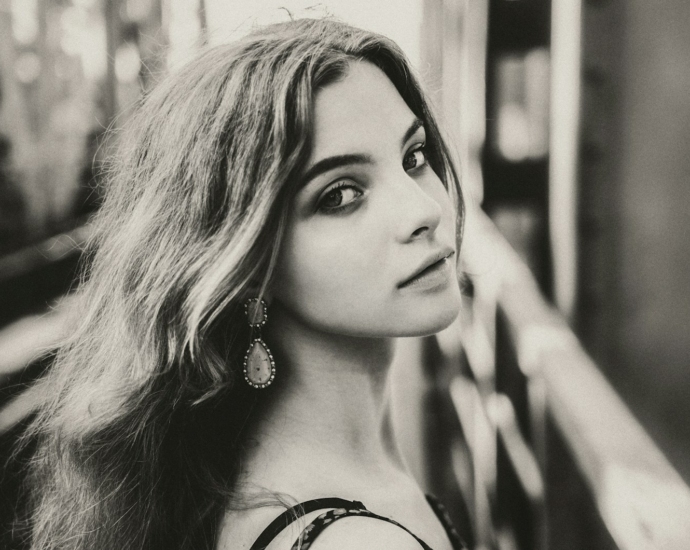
344, 275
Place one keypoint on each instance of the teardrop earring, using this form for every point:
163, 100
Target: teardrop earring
259, 367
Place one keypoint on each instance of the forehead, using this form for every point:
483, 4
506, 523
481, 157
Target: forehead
360, 111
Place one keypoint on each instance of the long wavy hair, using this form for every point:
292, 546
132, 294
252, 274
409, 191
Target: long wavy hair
140, 442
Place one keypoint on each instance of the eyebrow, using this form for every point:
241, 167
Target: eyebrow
338, 161
331, 163
412, 130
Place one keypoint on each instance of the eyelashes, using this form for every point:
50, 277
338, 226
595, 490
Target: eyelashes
346, 193
340, 197
415, 159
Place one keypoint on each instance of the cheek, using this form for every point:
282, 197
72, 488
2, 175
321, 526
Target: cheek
324, 274
448, 208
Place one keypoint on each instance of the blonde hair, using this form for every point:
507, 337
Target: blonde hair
139, 446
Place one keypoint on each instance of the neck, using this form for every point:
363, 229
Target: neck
327, 410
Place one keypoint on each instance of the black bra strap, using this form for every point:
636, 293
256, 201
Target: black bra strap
292, 514
442, 515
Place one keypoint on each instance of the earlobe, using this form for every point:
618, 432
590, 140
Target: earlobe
267, 295
257, 289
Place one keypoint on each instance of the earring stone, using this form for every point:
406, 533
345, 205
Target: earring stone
256, 312
259, 366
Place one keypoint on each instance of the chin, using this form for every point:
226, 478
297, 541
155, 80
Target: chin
425, 321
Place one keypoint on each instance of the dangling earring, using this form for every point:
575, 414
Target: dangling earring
259, 367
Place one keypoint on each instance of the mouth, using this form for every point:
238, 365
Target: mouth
431, 273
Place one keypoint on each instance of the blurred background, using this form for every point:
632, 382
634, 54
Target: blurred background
556, 412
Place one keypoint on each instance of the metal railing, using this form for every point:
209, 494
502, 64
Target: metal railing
530, 402
33, 279
23, 344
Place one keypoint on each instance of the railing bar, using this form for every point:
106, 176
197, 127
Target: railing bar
499, 412
641, 498
45, 252
24, 341
478, 428
536, 399
480, 355
521, 457
481, 441
20, 407
480, 502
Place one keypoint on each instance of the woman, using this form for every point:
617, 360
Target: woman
282, 209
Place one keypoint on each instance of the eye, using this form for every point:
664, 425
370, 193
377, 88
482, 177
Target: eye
415, 159
339, 197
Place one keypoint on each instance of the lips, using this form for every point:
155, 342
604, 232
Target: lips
431, 265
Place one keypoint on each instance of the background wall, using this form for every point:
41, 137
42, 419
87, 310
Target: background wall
401, 20
635, 197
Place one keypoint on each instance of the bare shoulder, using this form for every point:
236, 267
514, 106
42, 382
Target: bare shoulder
355, 533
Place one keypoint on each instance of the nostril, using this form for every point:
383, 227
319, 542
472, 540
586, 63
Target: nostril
420, 231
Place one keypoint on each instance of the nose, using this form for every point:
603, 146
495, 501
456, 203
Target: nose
418, 212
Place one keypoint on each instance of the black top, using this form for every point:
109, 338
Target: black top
340, 508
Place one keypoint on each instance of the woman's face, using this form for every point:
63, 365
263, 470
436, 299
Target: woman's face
370, 245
